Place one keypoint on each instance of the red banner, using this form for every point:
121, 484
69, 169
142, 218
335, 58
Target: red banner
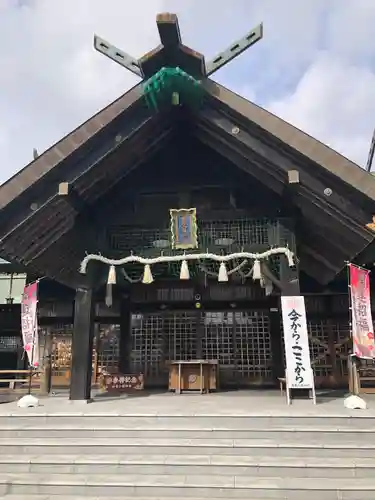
362, 326
29, 323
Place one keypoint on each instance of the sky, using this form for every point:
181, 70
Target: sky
315, 66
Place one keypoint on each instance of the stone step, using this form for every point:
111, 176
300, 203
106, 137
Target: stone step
313, 439
109, 434
65, 497
159, 486
186, 422
194, 447
189, 465
75, 497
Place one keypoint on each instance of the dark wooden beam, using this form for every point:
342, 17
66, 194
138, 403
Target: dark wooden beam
169, 30
246, 163
270, 275
63, 150
277, 344
82, 345
67, 192
61, 220
341, 223
289, 276
125, 336
303, 147
249, 136
122, 129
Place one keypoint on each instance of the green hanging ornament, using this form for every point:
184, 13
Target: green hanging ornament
172, 86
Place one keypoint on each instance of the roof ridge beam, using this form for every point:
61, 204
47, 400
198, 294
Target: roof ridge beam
169, 29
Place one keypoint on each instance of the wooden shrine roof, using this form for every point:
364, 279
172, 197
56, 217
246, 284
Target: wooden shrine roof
37, 224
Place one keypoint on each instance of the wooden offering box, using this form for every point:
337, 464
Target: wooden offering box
196, 375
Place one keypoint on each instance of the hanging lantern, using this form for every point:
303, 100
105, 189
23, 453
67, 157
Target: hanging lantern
184, 272
147, 275
223, 275
257, 271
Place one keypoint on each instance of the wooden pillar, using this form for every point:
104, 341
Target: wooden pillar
46, 376
332, 354
82, 345
199, 316
277, 346
125, 337
289, 276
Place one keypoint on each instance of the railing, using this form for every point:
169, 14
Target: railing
19, 377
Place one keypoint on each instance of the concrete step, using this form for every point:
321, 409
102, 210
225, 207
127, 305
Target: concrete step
110, 434
190, 422
253, 448
171, 438
159, 486
74, 497
185, 465
122, 497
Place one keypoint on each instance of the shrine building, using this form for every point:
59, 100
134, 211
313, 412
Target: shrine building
219, 207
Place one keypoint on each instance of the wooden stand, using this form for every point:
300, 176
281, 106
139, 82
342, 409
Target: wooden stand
361, 376
196, 375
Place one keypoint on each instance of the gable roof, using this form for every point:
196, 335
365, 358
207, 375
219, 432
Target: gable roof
266, 147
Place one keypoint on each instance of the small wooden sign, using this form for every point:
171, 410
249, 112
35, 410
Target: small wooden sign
123, 383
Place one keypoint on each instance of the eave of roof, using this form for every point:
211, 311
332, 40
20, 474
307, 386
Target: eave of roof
56, 154
329, 159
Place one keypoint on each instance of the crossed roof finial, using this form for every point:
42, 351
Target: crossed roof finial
173, 53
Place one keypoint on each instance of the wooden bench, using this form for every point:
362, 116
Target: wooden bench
13, 381
15, 378
361, 373
365, 389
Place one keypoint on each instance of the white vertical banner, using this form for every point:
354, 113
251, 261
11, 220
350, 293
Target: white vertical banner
299, 373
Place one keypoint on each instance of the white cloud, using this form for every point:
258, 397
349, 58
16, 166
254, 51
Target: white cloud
333, 101
313, 66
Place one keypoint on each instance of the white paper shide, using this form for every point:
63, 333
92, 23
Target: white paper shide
298, 363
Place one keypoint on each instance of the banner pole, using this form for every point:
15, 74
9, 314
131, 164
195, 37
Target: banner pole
31, 372
30, 338
348, 264
33, 351
34, 343
352, 365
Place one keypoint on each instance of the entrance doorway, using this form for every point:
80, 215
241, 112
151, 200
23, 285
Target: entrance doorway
239, 340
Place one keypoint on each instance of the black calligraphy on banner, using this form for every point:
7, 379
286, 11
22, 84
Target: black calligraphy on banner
297, 349
296, 341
